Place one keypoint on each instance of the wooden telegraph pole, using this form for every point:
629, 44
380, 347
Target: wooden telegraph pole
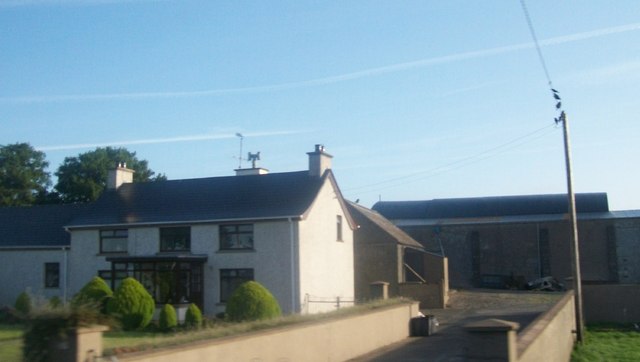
575, 250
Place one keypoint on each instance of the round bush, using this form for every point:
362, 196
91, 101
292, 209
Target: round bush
251, 301
132, 305
96, 292
23, 303
193, 317
168, 319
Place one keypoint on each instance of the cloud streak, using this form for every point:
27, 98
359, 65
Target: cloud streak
191, 138
26, 3
366, 73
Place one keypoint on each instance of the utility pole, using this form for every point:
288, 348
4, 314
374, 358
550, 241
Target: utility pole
575, 250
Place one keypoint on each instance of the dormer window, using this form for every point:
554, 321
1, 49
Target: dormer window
175, 239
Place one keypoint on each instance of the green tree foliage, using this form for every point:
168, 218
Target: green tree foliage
251, 301
23, 303
168, 319
95, 293
193, 317
83, 178
132, 305
23, 179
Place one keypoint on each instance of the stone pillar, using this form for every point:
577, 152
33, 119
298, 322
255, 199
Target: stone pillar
81, 344
379, 290
492, 340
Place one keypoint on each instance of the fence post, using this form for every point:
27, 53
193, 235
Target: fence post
338, 302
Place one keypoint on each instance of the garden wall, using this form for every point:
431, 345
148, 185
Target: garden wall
548, 338
327, 340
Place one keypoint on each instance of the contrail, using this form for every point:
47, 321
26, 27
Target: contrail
165, 140
25, 3
371, 72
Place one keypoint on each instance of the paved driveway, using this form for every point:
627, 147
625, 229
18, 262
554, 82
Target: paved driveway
449, 342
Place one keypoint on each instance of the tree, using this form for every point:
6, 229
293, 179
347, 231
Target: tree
23, 179
83, 178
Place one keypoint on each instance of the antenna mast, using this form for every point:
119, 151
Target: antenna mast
239, 135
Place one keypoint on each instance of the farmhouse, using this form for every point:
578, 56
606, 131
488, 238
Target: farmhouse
191, 240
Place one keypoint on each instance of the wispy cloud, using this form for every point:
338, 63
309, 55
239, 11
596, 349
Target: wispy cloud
191, 138
25, 3
618, 72
371, 72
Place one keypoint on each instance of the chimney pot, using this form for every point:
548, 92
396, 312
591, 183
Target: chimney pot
119, 175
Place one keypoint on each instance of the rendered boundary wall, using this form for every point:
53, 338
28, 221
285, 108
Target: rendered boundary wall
612, 303
329, 340
548, 338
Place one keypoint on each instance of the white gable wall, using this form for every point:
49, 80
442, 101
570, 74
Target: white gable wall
326, 264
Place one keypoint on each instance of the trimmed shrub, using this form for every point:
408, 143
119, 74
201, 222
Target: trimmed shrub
168, 319
23, 303
132, 305
95, 293
251, 301
193, 317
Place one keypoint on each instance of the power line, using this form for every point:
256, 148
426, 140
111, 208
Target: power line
535, 41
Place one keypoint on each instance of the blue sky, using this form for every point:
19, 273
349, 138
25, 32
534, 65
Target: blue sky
414, 99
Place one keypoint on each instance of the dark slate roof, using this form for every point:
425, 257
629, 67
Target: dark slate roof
479, 207
361, 214
37, 226
277, 195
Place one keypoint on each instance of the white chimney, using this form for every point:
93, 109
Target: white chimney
118, 176
319, 161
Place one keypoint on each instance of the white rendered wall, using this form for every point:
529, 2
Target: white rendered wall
326, 264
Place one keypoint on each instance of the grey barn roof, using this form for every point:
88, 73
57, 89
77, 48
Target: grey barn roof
362, 214
479, 207
277, 195
36, 226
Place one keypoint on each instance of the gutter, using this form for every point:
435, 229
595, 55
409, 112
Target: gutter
185, 222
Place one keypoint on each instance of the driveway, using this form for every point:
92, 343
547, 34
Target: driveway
449, 343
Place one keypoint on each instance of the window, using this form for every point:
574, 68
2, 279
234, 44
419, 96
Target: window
51, 275
230, 279
236, 237
175, 239
114, 241
339, 228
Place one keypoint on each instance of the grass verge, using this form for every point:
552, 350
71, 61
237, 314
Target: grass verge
608, 343
11, 342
